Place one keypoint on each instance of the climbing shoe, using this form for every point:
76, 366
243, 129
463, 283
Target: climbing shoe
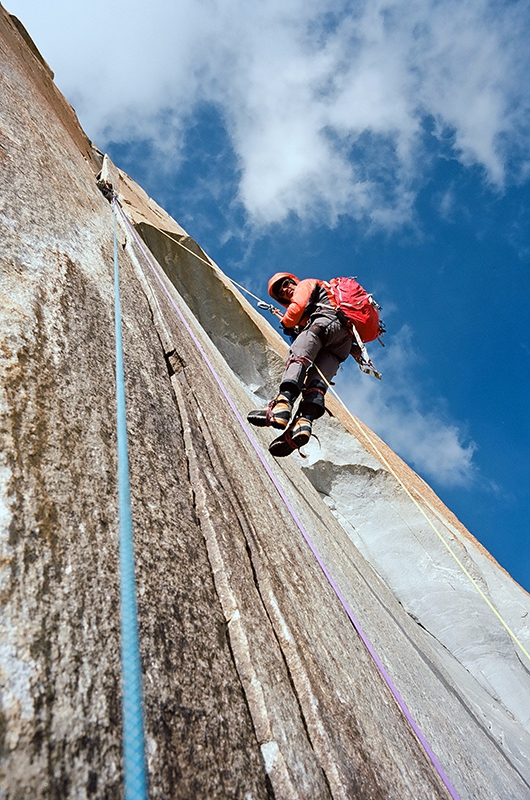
293, 438
283, 445
300, 431
277, 413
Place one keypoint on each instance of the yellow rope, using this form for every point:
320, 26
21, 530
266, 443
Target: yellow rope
433, 526
211, 264
204, 261
394, 473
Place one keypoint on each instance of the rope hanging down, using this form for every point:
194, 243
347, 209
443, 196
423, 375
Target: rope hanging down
132, 714
448, 547
267, 306
344, 603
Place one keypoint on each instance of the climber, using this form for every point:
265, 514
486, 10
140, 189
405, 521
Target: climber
106, 188
321, 343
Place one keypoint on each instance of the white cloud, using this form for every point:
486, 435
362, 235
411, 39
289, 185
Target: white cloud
324, 101
393, 408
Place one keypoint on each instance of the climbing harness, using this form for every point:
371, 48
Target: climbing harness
344, 603
385, 462
268, 306
133, 728
364, 361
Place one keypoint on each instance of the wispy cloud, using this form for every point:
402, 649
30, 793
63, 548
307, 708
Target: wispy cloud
420, 430
325, 102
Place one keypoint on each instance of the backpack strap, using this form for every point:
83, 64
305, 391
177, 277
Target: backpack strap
332, 305
329, 291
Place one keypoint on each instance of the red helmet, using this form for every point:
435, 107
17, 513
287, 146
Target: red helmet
276, 283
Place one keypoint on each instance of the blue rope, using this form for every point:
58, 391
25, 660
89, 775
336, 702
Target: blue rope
133, 728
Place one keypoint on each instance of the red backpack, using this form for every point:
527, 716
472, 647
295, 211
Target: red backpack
355, 304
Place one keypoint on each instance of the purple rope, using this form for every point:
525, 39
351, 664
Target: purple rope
356, 624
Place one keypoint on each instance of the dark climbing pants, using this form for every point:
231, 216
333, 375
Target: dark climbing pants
324, 344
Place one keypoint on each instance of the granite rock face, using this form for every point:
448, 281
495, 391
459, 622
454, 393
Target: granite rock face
256, 683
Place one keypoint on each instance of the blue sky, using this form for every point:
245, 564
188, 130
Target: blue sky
388, 140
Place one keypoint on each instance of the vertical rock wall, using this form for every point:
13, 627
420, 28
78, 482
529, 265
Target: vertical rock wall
60, 723
256, 684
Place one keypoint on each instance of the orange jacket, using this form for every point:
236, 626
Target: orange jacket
299, 309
